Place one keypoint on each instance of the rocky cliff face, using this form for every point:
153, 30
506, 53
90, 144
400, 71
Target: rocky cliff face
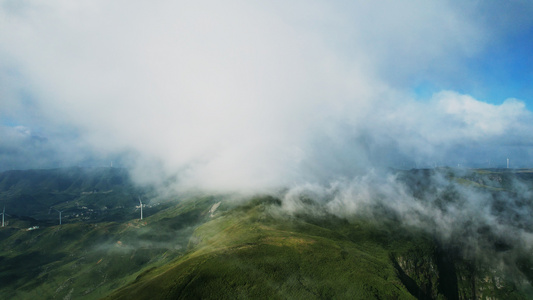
441, 275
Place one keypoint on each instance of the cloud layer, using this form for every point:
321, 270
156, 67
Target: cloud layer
240, 95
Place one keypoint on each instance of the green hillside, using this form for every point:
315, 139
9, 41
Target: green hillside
226, 247
83, 195
88, 260
256, 251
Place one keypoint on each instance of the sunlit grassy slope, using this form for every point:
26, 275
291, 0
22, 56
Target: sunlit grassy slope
252, 252
88, 261
245, 249
256, 251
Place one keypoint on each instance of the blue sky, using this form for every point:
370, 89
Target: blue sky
503, 70
275, 92
507, 69
499, 73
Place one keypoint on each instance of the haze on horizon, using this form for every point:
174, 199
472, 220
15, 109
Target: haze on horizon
240, 95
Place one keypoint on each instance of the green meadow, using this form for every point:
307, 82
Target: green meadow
216, 247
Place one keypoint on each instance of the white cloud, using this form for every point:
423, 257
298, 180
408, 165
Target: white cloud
479, 119
244, 95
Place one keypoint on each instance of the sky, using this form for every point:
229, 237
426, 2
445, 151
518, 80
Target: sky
262, 94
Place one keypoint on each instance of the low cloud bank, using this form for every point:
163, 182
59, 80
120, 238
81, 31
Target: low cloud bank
251, 97
483, 217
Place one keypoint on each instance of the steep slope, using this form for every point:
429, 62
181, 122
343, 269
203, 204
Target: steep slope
213, 247
257, 251
88, 260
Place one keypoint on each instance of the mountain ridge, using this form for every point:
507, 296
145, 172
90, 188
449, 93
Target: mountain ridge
213, 246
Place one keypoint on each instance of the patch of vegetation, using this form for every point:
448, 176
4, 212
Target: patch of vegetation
210, 247
256, 252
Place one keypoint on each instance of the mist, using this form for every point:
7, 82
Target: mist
324, 101
248, 96
307, 97
479, 217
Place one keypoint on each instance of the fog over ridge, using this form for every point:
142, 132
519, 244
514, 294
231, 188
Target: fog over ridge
248, 96
315, 100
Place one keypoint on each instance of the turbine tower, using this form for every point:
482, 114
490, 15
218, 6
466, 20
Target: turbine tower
59, 211
141, 204
507, 163
3, 214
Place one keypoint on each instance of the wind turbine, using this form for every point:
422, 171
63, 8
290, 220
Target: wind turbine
59, 211
3, 214
141, 204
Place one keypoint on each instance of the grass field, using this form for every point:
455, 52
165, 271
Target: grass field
217, 247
